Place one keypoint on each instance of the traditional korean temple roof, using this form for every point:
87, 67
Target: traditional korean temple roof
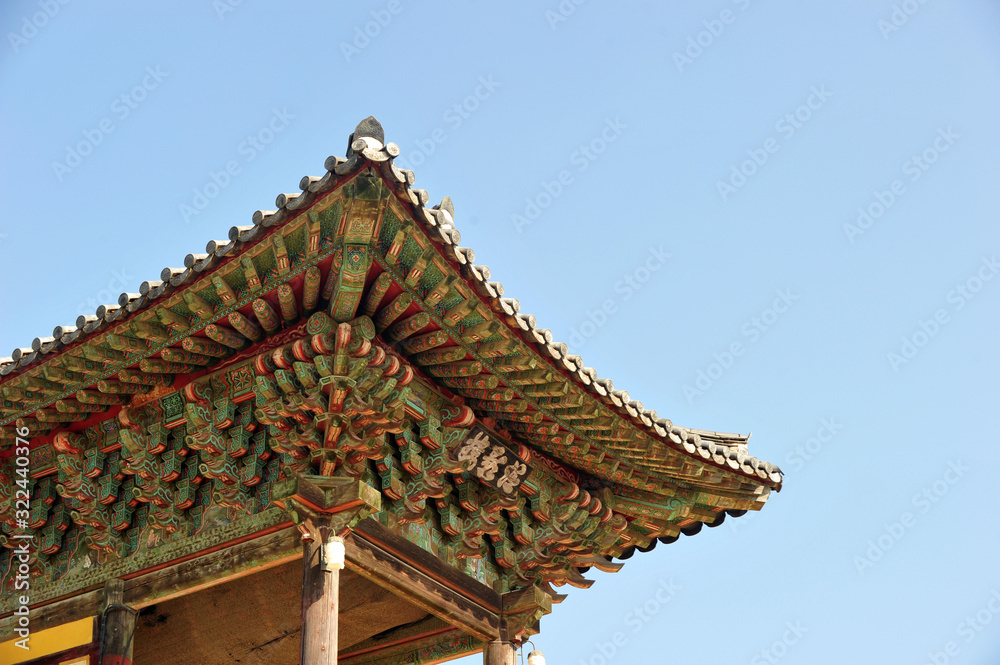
431, 302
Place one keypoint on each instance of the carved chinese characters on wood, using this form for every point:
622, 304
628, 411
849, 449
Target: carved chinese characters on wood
492, 460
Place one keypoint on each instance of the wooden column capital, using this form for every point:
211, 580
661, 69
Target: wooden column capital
323, 506
522, 609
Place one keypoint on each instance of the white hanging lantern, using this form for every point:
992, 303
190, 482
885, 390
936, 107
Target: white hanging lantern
536, 658
333, 554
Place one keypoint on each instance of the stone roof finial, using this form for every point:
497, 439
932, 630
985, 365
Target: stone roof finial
367, 128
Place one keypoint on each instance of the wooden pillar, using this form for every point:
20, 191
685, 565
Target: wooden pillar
321, 565
118, 626
499, 652
323, 507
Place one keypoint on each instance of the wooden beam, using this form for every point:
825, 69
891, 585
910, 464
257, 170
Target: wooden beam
429, 565
224, 565
427, 628
388, 570
373, 551
422, 650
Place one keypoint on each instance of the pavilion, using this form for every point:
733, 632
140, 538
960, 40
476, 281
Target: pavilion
330, 436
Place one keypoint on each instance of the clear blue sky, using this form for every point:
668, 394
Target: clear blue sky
836, 107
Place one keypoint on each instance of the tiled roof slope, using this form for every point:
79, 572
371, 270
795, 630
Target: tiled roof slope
368, 152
